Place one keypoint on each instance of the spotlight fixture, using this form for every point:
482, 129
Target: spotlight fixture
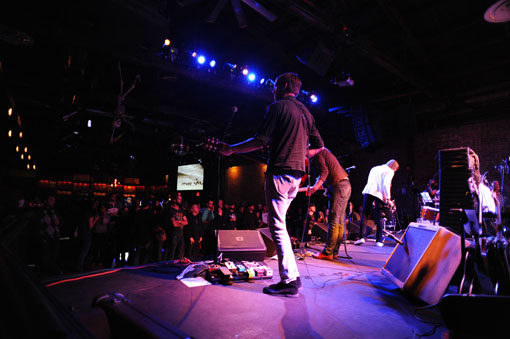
26, 149
29, 157
314, 98
201, 59
212, 63
230, 66
245, 71
167, 42
262, 81
194, 54
252, 76
20, 135
17, 148
9, 112
9, 133
342, 80
33, 167
89, 123
28, 167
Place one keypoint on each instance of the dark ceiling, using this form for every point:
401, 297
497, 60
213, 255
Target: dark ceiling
430, 62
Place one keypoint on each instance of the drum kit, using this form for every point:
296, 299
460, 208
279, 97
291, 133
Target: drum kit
429, 214
488, 195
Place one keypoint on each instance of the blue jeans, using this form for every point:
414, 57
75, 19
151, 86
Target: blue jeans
368, 201
280, 191
339, 195
176, 250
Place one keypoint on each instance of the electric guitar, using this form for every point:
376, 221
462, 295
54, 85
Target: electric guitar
213, 144
306, 188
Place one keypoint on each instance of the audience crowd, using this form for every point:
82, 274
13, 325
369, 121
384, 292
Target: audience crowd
60, 233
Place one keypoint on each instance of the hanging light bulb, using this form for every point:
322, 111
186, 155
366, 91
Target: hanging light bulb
28, 167
22, 156
9, 112
9, 133
26, 149
17, 148
20, 134
33, 167
29, 157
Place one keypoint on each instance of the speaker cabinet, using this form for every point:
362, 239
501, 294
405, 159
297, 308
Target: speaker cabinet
320, 230
424, 266
456, 167
241, 245
268, 241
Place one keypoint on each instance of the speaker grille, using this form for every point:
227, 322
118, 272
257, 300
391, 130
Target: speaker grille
456, 167
405, 258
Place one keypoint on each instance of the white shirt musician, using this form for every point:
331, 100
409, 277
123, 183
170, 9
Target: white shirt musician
377, 193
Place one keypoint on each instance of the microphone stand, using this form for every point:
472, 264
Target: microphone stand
217, 258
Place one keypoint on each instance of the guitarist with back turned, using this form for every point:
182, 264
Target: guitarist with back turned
288, 128
332, 175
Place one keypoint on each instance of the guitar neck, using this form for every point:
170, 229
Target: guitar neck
214, 145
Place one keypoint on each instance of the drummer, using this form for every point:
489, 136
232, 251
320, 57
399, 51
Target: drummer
432, 188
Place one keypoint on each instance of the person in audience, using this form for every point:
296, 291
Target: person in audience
250, 218
194, 235
50, 222
178, 221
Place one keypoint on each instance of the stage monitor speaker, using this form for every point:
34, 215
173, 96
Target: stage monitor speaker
424, 266
320, 230
241, 245
268, 241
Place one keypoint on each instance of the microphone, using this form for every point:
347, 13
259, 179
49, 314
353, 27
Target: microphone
350, 168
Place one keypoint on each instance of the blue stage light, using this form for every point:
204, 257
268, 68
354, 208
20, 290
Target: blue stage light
252, 76
314, 98
201, 59
212, 63
262, 81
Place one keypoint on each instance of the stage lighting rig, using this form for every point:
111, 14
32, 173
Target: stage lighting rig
308, 96
342, 80
167, 51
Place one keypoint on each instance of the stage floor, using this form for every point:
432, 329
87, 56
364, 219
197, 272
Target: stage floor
346, 298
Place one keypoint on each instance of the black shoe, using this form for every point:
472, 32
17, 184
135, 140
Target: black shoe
298, 283
289, 290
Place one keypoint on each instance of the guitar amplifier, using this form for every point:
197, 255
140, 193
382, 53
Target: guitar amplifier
241, 245
424, 266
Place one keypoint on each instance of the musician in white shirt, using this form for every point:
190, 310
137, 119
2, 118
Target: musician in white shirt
377, 193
